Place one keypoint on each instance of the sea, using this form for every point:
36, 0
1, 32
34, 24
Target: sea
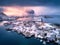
12, 38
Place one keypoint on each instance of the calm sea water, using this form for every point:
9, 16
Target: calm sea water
12, 38
54, 19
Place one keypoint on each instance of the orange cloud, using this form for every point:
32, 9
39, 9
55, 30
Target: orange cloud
15, 11
21, 11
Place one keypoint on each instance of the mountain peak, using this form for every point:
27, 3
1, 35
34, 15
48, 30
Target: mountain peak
1, 13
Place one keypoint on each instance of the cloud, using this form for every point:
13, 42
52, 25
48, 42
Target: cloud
18, 2
1, 9
52, 11
38, 10
29, 2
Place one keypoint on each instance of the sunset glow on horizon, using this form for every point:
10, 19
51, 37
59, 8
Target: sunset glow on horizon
14, 11
21, 11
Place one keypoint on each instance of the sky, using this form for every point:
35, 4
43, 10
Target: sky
40, 7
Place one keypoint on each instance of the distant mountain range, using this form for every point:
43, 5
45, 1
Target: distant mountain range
3, 16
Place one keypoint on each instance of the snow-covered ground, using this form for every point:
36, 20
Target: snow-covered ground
38, 30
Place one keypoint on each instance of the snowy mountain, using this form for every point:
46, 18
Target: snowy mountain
3, 16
